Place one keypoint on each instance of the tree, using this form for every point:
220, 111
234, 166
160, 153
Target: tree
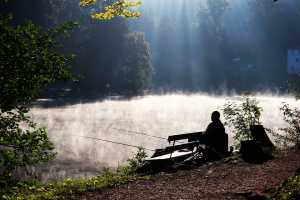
29, 61
107, 53
213, 38
135, 69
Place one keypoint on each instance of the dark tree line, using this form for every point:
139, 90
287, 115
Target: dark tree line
233, 45
110, 59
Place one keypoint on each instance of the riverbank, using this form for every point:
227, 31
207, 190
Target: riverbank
226, 179
231, 178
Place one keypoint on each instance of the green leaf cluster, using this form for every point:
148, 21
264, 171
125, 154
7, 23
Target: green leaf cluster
72, 187
241, 116
135, 69
134, 163
290, 135
289, 190
21, 143
117, 8
29, 61
69, 187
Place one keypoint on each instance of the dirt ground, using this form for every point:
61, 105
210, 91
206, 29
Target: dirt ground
219, 180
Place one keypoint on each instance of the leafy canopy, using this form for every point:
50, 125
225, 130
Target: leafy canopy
118, 8
29, 61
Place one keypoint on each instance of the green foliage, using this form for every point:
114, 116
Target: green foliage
29, 61
240, 116
68, 187
289, 190
289, 136
21, 142
135, 70
134, 163
111, 59
138, 158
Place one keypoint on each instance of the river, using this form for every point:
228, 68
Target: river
127, 122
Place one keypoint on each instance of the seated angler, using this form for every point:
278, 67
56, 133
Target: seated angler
216, 138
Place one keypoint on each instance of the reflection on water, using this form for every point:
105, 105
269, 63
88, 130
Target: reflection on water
159, 115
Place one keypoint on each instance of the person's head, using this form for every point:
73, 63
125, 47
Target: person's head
215, 116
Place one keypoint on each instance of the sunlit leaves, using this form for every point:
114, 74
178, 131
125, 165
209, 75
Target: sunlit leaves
87, 2
119, 8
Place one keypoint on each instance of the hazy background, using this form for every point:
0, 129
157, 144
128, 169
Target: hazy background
196, 45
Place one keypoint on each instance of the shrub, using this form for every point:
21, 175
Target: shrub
290, 189
29, 61
240, 116
289, 136
70, 187
134, 163
21, 143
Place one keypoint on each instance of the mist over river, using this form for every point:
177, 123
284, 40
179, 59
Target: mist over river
117, 120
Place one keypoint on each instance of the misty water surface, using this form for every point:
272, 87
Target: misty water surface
158, 115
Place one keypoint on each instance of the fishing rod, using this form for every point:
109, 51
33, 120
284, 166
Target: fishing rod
140, 133
113, 142
124, 144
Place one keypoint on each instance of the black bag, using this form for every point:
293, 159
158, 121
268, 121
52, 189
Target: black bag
259, 149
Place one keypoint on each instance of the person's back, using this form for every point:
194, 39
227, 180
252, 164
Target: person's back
216, 138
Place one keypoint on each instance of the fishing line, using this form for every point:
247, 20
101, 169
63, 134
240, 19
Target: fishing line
143, 133
113, 142
140, 133
128, 131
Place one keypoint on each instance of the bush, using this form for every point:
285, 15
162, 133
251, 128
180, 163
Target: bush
241, 116
29, 61
21, 143
134, 163
289, 190
66, 188
289, 136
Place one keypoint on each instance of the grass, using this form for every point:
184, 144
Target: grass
34, 190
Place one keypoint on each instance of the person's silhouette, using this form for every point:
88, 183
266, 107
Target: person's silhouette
216, 126
216, 138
